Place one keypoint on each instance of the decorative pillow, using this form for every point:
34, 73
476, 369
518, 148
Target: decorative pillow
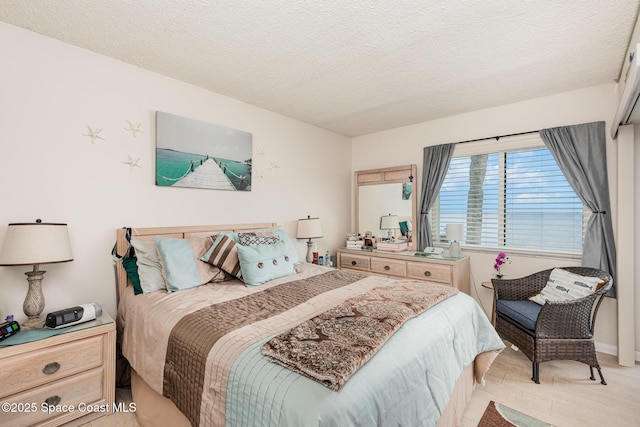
283, 236
208, 273
261, 263
291, 248
224, 255
252, 239
131, 267
149, 269
566, 286
178, 262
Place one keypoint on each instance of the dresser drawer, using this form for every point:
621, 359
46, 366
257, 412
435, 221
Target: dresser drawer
389, 266
24, 371
85, 388
432, 272
358, 262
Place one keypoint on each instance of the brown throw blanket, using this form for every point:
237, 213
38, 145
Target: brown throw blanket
330, 347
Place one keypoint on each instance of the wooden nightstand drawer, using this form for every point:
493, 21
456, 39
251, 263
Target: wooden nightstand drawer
24, 371
82, 389
74, 367
432, 272
389, 266
355, 261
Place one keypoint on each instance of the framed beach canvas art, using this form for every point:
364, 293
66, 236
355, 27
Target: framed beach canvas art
195, 154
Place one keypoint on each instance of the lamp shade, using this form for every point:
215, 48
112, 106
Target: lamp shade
36, 243
309, 228
389, 222
455, 232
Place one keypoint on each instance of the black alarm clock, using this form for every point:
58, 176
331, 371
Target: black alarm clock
73, 315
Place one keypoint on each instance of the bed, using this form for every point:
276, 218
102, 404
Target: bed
191, 368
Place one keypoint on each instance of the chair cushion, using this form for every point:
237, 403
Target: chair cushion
524, 312
564, 285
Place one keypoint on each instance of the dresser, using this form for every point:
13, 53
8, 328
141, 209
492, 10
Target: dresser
433, 268
65, 378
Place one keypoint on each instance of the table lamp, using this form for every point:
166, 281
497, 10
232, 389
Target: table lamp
309, 228
389, 222
455, 233
34, 244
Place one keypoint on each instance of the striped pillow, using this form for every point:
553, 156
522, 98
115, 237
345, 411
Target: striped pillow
224, 255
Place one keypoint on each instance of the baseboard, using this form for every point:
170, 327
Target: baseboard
613, 350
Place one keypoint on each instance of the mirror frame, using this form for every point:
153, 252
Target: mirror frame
386, 176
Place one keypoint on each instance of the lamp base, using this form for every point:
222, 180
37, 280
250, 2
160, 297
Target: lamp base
311, 248
32, 323
454, 249
34, 301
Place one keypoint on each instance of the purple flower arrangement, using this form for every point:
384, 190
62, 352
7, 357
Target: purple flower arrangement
500, 260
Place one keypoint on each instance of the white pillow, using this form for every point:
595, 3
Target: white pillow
566, 286
149, 269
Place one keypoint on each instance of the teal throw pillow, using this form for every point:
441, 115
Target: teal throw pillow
178, 260
261, 263
290, 247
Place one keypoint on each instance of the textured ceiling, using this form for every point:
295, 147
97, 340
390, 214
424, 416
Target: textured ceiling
353, 67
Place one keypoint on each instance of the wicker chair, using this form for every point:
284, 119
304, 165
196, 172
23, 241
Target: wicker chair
562, 330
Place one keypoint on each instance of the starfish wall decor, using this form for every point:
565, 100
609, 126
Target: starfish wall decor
132, 162
134, 128
94, 134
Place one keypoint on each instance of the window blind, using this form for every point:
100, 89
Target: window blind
510, 199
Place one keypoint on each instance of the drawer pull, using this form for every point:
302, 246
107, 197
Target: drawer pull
427, 273
353, 263
52, 401
386, 267
51, 368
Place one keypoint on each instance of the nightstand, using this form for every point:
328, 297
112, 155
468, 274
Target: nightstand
68, 377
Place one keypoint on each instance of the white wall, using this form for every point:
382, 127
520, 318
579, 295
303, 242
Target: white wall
405, 145
50, 92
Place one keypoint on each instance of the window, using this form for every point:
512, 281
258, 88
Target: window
516, 198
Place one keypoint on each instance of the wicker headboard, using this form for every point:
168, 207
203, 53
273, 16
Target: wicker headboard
180, 232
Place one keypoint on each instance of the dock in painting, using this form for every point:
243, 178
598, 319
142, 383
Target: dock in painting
209, 175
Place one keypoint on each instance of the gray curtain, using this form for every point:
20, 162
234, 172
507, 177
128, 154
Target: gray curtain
435, 164
580, 151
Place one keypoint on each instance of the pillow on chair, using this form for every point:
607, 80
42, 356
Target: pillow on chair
566, 286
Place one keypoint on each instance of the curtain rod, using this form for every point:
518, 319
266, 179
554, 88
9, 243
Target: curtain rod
497, 137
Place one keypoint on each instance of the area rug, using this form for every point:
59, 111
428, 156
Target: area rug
498, 415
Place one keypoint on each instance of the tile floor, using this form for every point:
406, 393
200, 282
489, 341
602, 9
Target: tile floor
565, 398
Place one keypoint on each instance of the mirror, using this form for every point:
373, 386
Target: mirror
380, 192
